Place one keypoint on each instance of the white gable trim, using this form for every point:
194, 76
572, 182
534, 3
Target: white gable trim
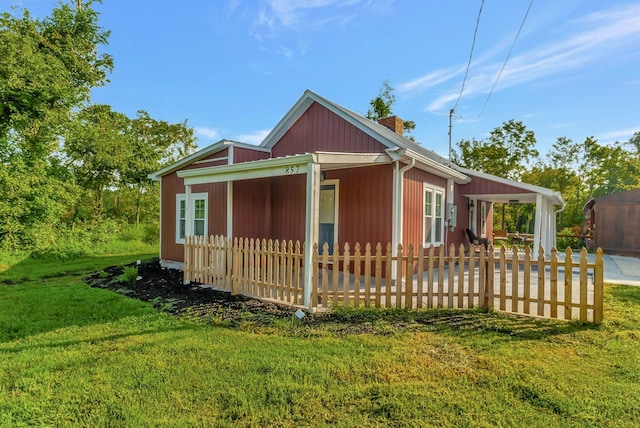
200, 154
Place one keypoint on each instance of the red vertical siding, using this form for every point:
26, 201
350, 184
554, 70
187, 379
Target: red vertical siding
217, 212
288, 207
413, 201
617, 223
215, 159
251, 208
459, 236
242, 154
171, 186
319, 129
479, 186
365, 200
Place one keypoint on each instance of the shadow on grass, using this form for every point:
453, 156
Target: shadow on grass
461, 322
30, 269
95, 341
41, 295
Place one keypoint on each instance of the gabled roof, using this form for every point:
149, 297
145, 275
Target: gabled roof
201, 154
384, 135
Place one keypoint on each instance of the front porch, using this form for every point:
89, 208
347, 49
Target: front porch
519, 282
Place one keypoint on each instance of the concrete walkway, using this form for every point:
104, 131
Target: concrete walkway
622, 270
617, 269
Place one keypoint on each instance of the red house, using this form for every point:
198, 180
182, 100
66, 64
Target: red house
327, 174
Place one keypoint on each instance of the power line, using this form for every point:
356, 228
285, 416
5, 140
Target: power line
503, 65
473, 44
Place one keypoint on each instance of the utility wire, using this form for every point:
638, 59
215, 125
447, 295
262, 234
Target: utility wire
503, 66
473, 44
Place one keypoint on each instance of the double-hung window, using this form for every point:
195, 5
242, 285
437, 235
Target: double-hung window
199, 202
433, 215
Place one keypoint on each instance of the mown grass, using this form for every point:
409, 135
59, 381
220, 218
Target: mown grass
76, 356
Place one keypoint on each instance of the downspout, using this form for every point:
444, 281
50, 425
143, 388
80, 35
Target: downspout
411, 164
398, 210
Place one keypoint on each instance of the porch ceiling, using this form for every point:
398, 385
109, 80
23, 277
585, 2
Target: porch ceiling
523, 198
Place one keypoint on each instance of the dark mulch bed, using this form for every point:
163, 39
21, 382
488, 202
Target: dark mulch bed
165, 289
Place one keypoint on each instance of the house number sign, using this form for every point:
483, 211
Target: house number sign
295, 169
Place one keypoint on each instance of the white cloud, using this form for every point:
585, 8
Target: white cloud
208, 133
618, 134
254, 138
427, 81
278, 18
595, 38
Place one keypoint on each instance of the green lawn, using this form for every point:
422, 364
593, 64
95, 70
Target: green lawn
71, 355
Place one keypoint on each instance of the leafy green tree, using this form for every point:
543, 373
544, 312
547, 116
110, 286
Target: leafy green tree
611, 168
97, 144
506, 153
382, 106
48, 68
154, 143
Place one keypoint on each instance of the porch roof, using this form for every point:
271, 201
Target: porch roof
527, 195
274, 167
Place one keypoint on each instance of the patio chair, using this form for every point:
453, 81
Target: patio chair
476, 241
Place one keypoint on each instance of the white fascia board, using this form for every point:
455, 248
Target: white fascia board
335, 158
287, 121
189, 159
443, 170
220, 145
290, 165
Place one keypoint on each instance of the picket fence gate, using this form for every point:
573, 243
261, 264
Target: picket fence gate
513, 281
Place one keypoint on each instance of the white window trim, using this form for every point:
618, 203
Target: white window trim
434, 190
194, 197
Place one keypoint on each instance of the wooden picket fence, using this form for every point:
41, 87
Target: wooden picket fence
262, 269
514, 281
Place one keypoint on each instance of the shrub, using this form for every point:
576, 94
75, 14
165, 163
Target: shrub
129, 276
563, 242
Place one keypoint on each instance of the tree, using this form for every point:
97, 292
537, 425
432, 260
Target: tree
506, 153
382, 106
97, 145
611, 168
48, 68
154, 144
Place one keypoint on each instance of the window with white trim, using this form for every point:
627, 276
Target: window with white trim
199, 209
433, 215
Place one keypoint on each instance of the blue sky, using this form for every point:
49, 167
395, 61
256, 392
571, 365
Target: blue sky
233, 68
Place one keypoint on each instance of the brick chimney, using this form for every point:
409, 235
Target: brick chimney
394, 123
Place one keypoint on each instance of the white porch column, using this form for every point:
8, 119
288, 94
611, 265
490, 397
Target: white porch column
537, 228
188, 212
311, 227
230, 161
